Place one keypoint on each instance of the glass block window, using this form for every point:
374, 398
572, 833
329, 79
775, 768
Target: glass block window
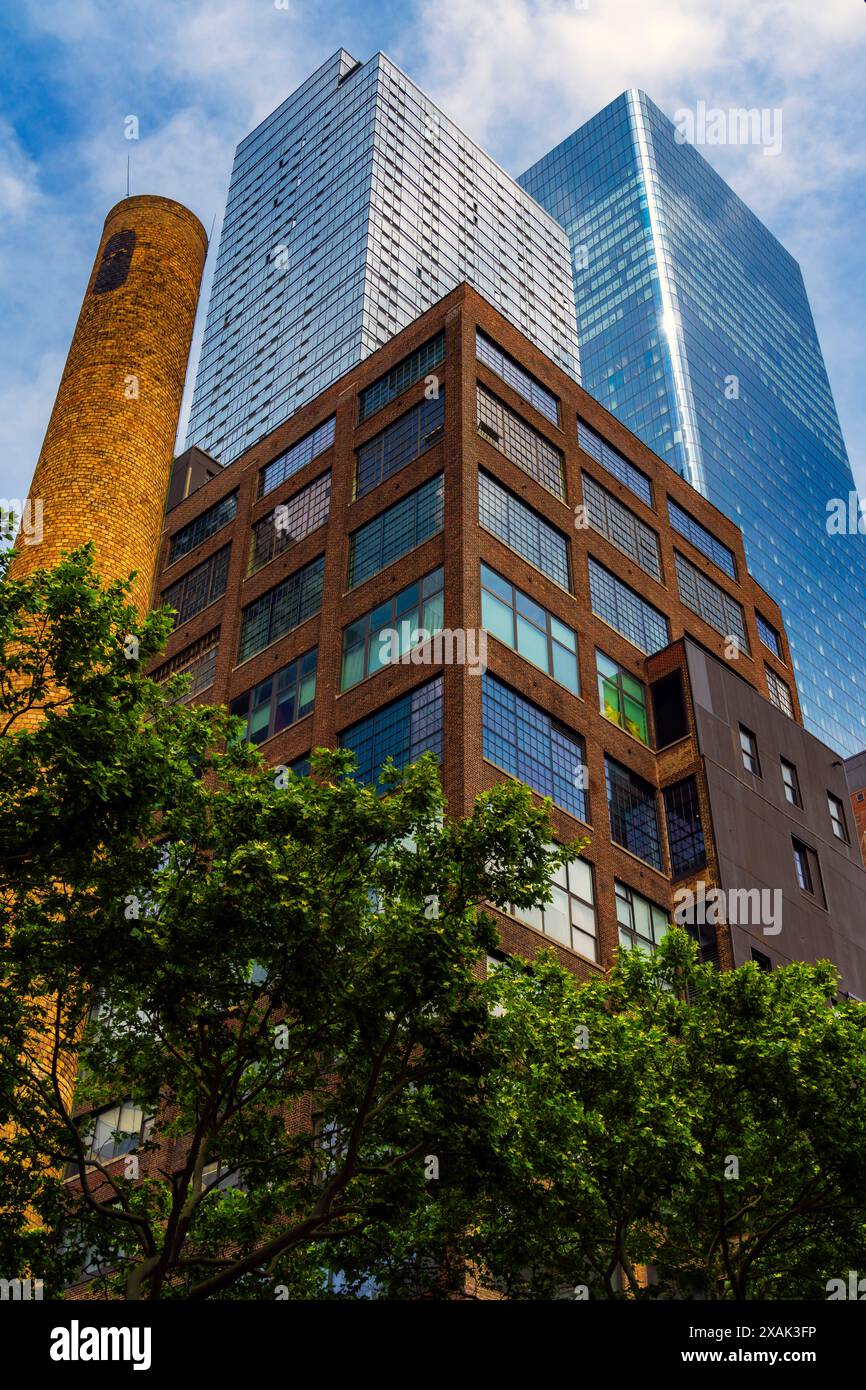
685, 831
622, 698
201, 586
641, 923
517, 377
711, 603
280, 610
519, 442
523, 740
198, 661
569, 917
202, 527
702, 539
527, 628
418, 611
780, 695
769, 636
295, 458
416, 365
290, 522
631, 804
394, 532
621, 527
625, 610
281, 700
615, 463
402, 730
392, 448
503, 514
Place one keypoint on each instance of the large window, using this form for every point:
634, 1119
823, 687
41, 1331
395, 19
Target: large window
620, 467
367, 642
685, 831
281, 700
569, 917
780, 694
519, 442
523, 740
625, 610
631, 803
200, 587
522, 624
281, 609
402, 730
295, 458
290, 522
197, 661
517, 377
114, 1132
396, 531
769, 636
641, 923
416, 365
392, 448
622, 698
669, 709
710, 602
702, 539
621, 527
203, 526
523, 530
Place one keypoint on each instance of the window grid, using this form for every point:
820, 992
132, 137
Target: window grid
198, 661
631, 804
416, 365
621, 527
295, 458
519, 442
418, 606
281, 609
528, 629
290, 522
769, 636
609, 458
203, 526
395, 447
702, 539
622, 698
523, 530
402, 730
397, 530
780, 695
569, 917
280, 701
524, 741
685, 831
641, 923
517, 377
200, 587
626, 611
710, 602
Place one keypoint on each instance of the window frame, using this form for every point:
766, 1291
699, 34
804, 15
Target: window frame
552, 643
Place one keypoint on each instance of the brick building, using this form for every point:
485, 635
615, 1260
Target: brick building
458, 482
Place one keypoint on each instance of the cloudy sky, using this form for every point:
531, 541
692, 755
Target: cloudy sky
518, 75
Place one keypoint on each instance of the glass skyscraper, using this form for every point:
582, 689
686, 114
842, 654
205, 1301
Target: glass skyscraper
352, 209
695, 330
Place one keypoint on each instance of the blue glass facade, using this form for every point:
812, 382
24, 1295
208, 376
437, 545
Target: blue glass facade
695, 330
352, 209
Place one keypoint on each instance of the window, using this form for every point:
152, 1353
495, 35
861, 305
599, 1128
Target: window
669, 709
200, 587
116, 1131
791, 783
711, 603
625, 610
296, 458
393, 448
763, 962
569, 917
779, 693
394, 532
622, 699
621, 527
519, 442
615, 463
523, 530
769, 636
523, 740
366, 648
280, 610
631, 804
402, 730
527, 628
198, 661
803, 866
641, 923
749, 749
416, 365
281, 700
517, 377
685, 831
290, 522
203, 526
837, 818
702, 539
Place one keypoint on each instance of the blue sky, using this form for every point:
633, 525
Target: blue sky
518, 75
